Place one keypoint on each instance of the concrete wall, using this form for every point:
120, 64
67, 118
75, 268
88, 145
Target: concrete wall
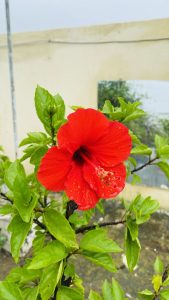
137, 50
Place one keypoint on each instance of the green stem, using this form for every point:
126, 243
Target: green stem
52, 130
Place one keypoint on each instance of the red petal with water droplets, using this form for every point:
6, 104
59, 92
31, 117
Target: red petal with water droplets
54, 168
113, 147
84, 127
79, 190
107, 182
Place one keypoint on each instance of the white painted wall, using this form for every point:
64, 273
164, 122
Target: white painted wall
74, 70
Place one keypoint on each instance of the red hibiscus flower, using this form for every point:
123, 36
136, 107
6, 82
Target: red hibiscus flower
88, 161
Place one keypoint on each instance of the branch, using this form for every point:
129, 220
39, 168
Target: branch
4, 197
41, 225
71, 207
41, 203
144, 165
45, 201
165, 273
90, 227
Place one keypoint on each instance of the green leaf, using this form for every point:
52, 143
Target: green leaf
38, 154
163, 152
35, 151
141, 150
13, 170
117, 115
19, 231
30, 293
158, 266
28, 152
22, 275
50, 254
94, 296
146, 294
107, 107
9, 291
134, 115
107, 291
15, 179
75, 107
69, 270
142, 219
101, 259
78, 282
6, 209
67, 293
38, 242
164, 295
136, 179
143, 208
166, 282
97, 241
23, 200
157, 282
136, 203
117, 291
49, 279
81, 219
60, 228
133, 228
60, 106
126, 112
50, 110
29, 275
14, 275
162, 147
132, 250
164, 166
58, 117
135, 139
34, 137
132, 161
149, 206
100, 206
45, 107
160, 141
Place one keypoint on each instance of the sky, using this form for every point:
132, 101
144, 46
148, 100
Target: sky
34, 15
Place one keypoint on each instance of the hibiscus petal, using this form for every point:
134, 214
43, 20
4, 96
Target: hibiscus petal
84, 127
107, 182
113, 147
54, 168
79, 190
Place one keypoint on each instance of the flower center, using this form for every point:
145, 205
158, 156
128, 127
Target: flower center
81, 155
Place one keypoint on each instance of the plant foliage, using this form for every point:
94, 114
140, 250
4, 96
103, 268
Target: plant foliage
60, 230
